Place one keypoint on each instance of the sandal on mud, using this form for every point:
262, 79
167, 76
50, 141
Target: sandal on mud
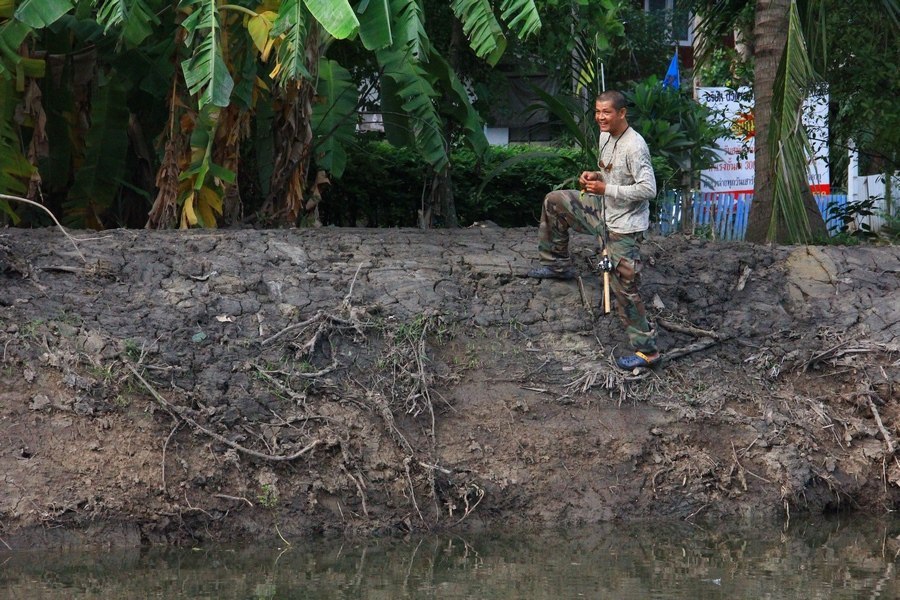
636, 360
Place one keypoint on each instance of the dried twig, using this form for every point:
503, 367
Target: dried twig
362, 495
346, 301
238, 498
888, 440
175, 413
290, 328
412, 491
166, 445
671, 355
839, 350
688, 329
584, 298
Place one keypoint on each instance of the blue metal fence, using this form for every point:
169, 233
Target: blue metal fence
725, 215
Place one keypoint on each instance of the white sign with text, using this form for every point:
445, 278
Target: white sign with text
734, 173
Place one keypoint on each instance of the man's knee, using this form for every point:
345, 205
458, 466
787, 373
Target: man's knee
628, 270
551, 202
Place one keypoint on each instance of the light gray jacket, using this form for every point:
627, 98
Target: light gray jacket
630, 184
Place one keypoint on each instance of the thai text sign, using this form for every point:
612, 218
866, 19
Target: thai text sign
734, 173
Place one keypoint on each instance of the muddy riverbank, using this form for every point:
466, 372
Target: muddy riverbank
188, 387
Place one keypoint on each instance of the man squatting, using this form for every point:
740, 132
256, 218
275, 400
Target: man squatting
625, 182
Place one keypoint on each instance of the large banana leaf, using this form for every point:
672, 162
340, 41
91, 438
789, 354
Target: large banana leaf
42, 13
788, 138
481, 27
201, 187
375, 24
415, 95
565, 108
7, 8
133, 18
334, 117
408, 28
205, 73
398, 130
12, 34
457, 102
98, 180
521, 16
335, 16
292, 26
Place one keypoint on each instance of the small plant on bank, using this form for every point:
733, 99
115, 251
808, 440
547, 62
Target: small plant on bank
268, 496
102, 373
412, 331
30, 328
848, 216
132, 350
891, 228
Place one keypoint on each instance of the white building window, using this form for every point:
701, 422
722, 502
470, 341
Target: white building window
678, 16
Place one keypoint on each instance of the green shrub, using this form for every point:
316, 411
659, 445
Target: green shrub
513, 194
383, 186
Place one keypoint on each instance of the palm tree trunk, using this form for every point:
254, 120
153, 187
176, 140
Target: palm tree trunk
770, 31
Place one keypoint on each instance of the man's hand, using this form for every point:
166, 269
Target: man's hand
591, 182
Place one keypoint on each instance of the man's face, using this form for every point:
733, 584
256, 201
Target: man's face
608, 118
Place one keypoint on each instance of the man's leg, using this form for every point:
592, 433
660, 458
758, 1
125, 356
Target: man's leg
625, 253
563, 210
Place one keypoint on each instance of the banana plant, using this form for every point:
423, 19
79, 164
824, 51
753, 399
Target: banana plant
19, 21
483, 29
334, 116
244, 67
132, 21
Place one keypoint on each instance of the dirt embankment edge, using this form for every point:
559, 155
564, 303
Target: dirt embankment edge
184, 387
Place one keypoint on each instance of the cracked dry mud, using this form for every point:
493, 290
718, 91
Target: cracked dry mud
193, 386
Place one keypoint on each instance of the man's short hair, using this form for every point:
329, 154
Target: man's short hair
614, 96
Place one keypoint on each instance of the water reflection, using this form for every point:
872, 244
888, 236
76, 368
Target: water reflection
822, 559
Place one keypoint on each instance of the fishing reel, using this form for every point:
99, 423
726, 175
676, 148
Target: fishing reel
605, 265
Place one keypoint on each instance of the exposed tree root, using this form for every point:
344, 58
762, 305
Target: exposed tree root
888, 440
177, 413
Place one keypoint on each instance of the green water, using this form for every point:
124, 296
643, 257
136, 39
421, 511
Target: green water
821, 559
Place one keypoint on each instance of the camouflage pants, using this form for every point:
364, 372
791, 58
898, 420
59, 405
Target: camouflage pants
568, 209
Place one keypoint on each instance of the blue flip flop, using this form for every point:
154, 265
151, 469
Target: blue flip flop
636, 360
